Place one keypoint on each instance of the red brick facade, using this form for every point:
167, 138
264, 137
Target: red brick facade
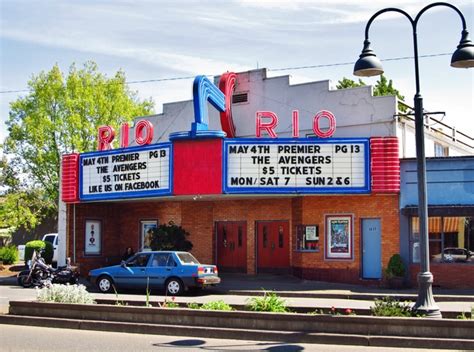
446, 275
121, 228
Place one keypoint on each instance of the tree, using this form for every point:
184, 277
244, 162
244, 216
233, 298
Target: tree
382, 87
170, 237
60, 115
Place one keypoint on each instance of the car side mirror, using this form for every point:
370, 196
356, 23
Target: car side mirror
123, 264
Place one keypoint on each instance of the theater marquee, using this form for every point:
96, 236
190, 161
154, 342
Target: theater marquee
133, 172
296, 166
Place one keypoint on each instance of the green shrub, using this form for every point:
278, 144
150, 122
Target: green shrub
193, 305
65, 294
216, 305
389, 307
170, 305
270, 302
395, 267
170, 237
38, 246
8, 255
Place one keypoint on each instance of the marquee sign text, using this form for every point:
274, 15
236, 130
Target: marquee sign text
296, 166
136, 172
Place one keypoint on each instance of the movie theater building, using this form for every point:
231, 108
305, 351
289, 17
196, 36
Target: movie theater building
265, 175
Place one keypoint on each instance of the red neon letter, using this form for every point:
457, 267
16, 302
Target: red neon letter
143, 126
124, 133
296, 124
105, 137
332, 124
227, 86
259, 125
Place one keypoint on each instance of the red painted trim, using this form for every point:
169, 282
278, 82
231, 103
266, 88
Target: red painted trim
197, 167
70, 178
269, 126
227, 86
124, 135
143, 127
105, 135
385, 165
332, 124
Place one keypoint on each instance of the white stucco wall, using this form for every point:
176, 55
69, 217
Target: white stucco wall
358, 113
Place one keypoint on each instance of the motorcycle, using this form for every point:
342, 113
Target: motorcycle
41, 275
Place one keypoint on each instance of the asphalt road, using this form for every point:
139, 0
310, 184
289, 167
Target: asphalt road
25, 338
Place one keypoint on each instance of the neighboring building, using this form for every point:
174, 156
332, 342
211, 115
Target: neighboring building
450, 186
320, 208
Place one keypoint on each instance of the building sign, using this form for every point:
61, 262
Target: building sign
127, 173
296, 166
93, 238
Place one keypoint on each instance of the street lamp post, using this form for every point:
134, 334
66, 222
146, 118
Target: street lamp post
369, 65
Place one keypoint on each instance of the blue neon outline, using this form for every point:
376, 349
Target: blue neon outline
138, 194
307, 190
205, 91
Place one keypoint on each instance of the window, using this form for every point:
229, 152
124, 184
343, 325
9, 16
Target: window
139, 260
187, 258
240, 98
440, 150
307, 238
280, 237
239, 236
451, 239
162, 259
265, 237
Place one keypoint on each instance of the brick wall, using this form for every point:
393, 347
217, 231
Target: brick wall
447, 275
314, 265
121, 227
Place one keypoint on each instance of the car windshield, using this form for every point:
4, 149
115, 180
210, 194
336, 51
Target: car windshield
187, 258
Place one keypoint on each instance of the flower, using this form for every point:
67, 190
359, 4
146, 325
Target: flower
348, 311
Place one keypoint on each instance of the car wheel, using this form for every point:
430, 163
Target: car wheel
174, 287
105, 284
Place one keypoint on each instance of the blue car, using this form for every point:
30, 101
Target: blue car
176, 272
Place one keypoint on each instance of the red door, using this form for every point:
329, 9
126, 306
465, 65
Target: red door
273, 250
231, 246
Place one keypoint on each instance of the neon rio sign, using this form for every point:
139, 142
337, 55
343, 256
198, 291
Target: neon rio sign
220, 98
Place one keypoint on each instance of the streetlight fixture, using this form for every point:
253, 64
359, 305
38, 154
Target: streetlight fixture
369, 65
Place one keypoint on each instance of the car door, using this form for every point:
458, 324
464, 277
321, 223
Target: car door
134, 273
161, 267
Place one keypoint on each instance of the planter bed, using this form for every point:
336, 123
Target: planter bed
243, 307
305, 323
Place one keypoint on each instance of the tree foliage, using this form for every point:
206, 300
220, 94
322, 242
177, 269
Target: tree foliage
382, 87
170, 237
59, 115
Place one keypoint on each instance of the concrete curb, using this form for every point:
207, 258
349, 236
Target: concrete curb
240, 334
353, 296
338, 324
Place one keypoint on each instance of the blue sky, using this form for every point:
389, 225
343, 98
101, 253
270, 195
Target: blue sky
163, 39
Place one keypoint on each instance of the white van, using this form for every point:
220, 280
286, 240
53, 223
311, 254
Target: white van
53, 239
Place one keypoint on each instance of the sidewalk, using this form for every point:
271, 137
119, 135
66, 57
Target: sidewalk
236, 289
291, 286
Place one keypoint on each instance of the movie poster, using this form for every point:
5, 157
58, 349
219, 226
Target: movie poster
147, 228
339, 237
93, 238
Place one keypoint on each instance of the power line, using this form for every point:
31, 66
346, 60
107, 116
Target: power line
270, 69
